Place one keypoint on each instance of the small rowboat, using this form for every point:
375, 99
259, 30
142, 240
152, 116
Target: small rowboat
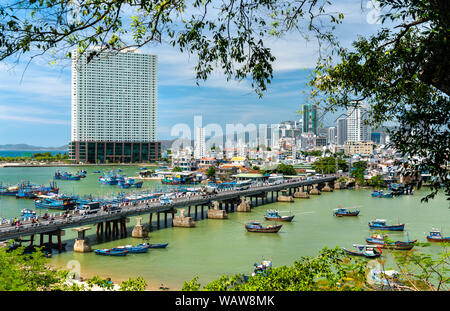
149, 245
131, 249
274, 215
345, 212
379, 240
436, 236
110, 252
367, 251
257, 227
380, 224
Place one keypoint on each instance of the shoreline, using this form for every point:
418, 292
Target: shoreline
22, 164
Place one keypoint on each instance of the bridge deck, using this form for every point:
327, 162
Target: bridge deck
11, 232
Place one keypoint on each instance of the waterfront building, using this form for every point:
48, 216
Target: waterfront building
186, 163
357, 130
199, 143
310, 119
341, 131
358, 147
114, 107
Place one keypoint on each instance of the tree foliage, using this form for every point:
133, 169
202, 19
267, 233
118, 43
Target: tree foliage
286, 169
327, 165
226, 34
401, 73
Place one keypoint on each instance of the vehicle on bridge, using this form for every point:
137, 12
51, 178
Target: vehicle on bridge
90, 208
243, 185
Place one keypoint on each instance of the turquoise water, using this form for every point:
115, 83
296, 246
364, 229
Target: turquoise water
28, 153
216, 247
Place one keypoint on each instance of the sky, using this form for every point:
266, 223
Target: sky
35, 102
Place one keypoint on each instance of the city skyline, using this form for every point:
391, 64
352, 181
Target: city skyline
35, 104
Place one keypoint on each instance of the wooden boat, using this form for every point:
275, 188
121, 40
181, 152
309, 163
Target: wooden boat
274, 215
345, 212
149, 245
110, 252
367, 251
380, 224
131, 249
436, 236
381, 194
378, 239
258, 227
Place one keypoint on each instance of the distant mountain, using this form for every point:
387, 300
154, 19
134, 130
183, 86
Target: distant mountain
30, 147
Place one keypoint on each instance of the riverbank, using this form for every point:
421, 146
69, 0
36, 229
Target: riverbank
63, 164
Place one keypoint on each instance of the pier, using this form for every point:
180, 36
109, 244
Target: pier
113, 223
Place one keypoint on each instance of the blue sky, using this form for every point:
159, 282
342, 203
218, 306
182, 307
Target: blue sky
35, 105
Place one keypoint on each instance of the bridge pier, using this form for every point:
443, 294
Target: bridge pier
82, 244
139, 230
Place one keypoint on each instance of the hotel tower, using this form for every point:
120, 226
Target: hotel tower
114, 107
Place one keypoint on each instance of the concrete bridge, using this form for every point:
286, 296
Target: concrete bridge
110, 221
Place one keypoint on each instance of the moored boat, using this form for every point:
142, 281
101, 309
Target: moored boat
275, 215
110, 252
380, 240
131, 249
381, 194
436, 236
368, 251
55, 202
258, 227
150, 245
345, 212
66, 176
380, 224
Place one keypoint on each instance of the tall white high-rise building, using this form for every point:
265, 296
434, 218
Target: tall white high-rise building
356, 129
332, 135
114, 106
199, 143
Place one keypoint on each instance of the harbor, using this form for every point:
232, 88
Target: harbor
223, 246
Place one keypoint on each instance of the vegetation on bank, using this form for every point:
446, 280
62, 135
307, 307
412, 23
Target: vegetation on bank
333, 270
330, 270
38, 157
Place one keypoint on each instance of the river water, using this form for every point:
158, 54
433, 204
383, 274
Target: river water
216, 247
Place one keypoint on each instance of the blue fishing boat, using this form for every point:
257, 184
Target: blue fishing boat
66, 176
258, 227
275, 215
368, 251
149, 245
381, 194
55, 202
436, 236
131, 249
380, 224
96, 172
380, 241
261, 269
129, 183
345, 212
9, 190
110, 252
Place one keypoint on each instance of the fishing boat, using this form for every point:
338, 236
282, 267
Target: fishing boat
259, 269
108, 180
381, 194
258, 227
96, 172
110, 252
436, 236
9, 190
380, 224
149, 245
275, 215
131, 249
380, 240
66, 176
341, 211
129, 183
368, 251
55, 202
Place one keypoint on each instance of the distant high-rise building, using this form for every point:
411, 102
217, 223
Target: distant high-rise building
114, 107
332, 132
341, 131
357, 130
310, 119
199, 143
